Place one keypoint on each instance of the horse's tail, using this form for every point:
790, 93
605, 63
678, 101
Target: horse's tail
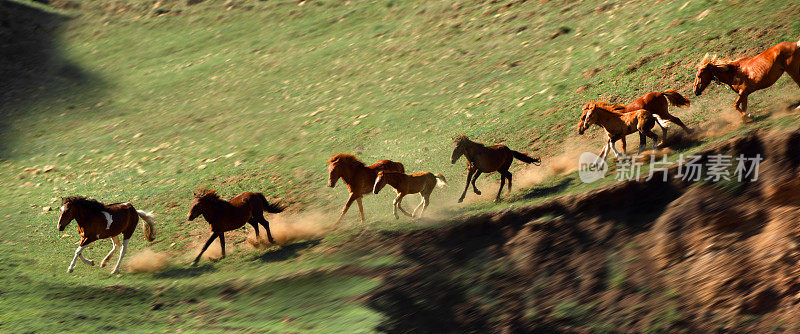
675, 98
524, 158
440, 180
270, 207
147, 225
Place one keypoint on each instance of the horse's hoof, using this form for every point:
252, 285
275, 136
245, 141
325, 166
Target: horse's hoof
477, 192
91, 263
460, 200
69, 270
115, 272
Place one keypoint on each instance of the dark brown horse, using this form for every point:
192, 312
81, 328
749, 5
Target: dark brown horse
421, 183
358, 177
226, 216
749, 74
98, 221
657, 103
486, 159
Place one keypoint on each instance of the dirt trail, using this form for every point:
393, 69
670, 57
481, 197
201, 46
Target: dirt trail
634, 256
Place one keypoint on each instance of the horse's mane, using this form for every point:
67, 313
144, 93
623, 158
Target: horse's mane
607, 106
206, 194
84, 202
713, 60
347, 159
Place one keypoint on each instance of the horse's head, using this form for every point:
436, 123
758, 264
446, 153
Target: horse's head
201, 202
705, 74
67, 214
334, 173
458, 148
587, 117
380, 182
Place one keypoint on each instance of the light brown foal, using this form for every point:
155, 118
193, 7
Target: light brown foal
418, 183
618, 125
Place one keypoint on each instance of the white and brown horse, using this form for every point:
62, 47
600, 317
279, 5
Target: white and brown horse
99, 221
421, 183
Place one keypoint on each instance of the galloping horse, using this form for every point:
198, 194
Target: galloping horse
657, 103
422, 183
486, 159
749, 74
226, 216
98, 221
358, 177
618, 125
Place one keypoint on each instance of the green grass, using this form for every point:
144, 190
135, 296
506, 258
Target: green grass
257, 97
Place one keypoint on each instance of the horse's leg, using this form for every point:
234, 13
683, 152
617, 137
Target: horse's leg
741, 106
89, 262
414, 215
395, 203
616, 153
502, 183
222, 243
346, 207
474, 178
642, 142
265, 223
121, 255
361, 210
508, 177
469, 177
624, 145
652, 135
601, 156
254, 223
400, 206
84, 242
208, 242
796, 78
115, 243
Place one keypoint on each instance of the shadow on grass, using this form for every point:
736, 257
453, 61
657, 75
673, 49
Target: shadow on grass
185, 272
286, 252
537, 192
33, 65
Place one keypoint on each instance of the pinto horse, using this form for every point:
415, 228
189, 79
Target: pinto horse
226, 216
618, 125
486, 159
358, 177
657, 103
421, 183
749, 74
99, 221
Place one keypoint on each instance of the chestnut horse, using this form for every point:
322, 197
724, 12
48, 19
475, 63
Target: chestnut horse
657, 103
99, 221
486, 159
749, 74
358, 177
226, 216
618, 125
422, 183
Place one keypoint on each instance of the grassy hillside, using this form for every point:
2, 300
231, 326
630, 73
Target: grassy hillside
144, 102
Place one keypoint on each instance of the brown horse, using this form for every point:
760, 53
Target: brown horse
486, 159
618, 125
657, 103
226, 216
98, 221
422, 183
358, 177
749, 74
